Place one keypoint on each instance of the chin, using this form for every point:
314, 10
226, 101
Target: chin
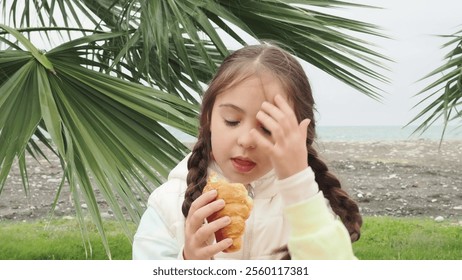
243, 178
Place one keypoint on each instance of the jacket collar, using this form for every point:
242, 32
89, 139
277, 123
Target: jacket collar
263, 187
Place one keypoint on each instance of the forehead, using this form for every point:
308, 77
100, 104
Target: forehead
255, 88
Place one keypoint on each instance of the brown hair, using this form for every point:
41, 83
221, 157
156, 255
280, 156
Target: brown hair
235, 68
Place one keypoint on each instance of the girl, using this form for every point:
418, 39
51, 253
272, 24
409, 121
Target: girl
256, 128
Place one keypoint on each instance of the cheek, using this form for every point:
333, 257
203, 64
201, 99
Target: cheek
216, 135
218, 146
218, 138
214, 132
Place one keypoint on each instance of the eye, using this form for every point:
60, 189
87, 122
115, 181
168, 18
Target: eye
231, 123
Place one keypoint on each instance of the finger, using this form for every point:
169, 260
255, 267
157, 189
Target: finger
269, 126
272, 110
286, 119
199, 216
282, 114
203, 200
204, 233
262, 141
196, 218
276, 123
213, 249
284, 106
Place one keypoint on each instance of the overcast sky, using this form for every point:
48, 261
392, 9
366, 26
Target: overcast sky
415, 50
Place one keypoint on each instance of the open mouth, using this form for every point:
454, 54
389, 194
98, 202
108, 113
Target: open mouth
243, 165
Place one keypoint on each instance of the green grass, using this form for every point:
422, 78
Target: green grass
383, 238
59, 240
386, 238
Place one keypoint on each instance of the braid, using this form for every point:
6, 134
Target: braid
339, 200
197, 175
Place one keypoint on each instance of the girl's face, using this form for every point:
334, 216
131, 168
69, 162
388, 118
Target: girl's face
233, 117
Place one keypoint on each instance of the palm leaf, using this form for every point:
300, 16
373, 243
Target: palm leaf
108, 133
180, 38
442, 97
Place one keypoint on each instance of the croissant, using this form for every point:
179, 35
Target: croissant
238, 205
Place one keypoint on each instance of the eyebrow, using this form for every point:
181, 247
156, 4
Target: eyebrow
232, 106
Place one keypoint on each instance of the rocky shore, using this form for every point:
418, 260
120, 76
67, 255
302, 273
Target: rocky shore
396, 178
401, 178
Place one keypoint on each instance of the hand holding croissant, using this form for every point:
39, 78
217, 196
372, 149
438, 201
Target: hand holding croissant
238, 205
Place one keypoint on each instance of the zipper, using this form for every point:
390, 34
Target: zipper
247, 241
249, 226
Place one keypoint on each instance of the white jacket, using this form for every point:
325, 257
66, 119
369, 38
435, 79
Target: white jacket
160, 234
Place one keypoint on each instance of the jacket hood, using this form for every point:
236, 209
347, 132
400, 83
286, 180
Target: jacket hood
181, 170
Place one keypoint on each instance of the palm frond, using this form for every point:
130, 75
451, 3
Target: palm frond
442, 97
313, 36
175, 45
191, 49
108, 133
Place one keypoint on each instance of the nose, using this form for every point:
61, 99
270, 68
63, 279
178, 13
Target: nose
246, 140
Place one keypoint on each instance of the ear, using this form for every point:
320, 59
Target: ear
303, 126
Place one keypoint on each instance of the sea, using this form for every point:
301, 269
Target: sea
386, 133
370, 133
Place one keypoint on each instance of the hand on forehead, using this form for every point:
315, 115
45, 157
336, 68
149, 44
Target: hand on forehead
271, 87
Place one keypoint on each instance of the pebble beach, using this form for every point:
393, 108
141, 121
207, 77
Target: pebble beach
387, 178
